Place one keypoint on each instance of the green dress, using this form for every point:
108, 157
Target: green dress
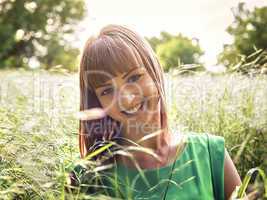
191, 174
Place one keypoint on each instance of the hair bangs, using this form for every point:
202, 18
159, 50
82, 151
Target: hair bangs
108, 57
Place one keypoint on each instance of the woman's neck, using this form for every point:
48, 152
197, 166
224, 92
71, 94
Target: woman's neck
148, 135
159, 145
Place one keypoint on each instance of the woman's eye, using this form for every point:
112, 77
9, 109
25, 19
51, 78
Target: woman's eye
134, 78
106, 91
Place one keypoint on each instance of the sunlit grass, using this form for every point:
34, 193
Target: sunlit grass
38, 128
233, 106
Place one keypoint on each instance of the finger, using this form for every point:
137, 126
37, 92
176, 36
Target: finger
91, 114
105, 134
111, 134
114, 127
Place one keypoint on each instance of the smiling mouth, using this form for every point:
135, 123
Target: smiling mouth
134, 110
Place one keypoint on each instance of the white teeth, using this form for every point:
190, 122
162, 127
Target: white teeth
134, 109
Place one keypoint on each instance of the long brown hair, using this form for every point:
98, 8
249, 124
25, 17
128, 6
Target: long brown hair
114, 50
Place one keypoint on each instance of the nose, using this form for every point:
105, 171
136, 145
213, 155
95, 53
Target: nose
128, 100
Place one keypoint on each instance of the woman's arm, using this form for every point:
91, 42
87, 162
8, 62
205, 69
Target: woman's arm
231, 176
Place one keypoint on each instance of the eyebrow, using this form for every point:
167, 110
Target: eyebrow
126, 74
103, 84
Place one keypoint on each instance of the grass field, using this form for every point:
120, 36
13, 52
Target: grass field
38, 130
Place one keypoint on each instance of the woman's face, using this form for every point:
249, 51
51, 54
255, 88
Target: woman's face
131, 98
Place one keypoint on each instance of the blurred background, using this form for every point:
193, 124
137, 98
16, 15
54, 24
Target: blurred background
213, 54
49, 34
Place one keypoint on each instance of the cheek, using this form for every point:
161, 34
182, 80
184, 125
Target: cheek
149, 88
110, 107
150, 92
107, 104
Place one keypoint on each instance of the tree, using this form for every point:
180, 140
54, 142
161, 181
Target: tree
175, 50
29, 28
249, 31
59, 55
155, 41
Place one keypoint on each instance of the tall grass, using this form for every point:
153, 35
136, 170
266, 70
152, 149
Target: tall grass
232, 106
38, 131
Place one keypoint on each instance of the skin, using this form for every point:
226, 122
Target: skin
139, 83
117, 97
114, 98
231, 176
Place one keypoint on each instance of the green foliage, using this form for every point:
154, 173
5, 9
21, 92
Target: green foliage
174, 50
28, 29
240, 191
249, 31
66, 56
155, 41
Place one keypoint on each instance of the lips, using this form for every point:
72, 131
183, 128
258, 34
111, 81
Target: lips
134, 110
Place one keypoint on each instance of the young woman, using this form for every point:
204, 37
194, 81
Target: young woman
120, 73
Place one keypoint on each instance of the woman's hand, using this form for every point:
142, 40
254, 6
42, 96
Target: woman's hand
91, 114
